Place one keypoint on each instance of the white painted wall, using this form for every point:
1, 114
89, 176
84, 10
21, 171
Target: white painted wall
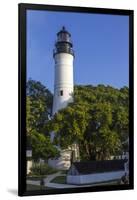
29, 165
94, 178
63, 162
63, 81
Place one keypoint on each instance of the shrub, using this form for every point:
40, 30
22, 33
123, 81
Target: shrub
42, 169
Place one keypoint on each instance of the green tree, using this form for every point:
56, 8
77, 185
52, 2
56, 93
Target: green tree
69, 124
38, 107
39, 104
97, 120
42, 147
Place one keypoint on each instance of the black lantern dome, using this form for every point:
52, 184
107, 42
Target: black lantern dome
63, 43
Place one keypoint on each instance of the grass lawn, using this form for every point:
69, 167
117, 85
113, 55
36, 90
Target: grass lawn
62, 180
59, 179
35, 178
64, 171
114, 182
36, 187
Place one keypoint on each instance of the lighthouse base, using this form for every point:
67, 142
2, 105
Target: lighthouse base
63, 162
67, 156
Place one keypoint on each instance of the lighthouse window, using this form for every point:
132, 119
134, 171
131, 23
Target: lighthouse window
61, 92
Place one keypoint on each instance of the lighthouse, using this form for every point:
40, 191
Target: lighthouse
63, 55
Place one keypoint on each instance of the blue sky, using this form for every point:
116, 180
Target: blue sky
100, 44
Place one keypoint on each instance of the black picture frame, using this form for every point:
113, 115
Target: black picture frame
22, 8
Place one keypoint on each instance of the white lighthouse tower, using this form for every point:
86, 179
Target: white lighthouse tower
63, 55
63, 83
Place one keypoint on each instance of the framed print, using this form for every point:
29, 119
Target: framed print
75, 99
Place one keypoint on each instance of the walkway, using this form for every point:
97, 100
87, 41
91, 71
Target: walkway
46, 180
33, 182
56, 185
50, 177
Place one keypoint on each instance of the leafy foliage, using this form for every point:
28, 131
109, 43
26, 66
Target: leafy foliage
42, 147
97, 121
41, 169
39, 102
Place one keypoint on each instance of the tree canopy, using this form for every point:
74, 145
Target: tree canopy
97, 121
39, 104
38, 107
